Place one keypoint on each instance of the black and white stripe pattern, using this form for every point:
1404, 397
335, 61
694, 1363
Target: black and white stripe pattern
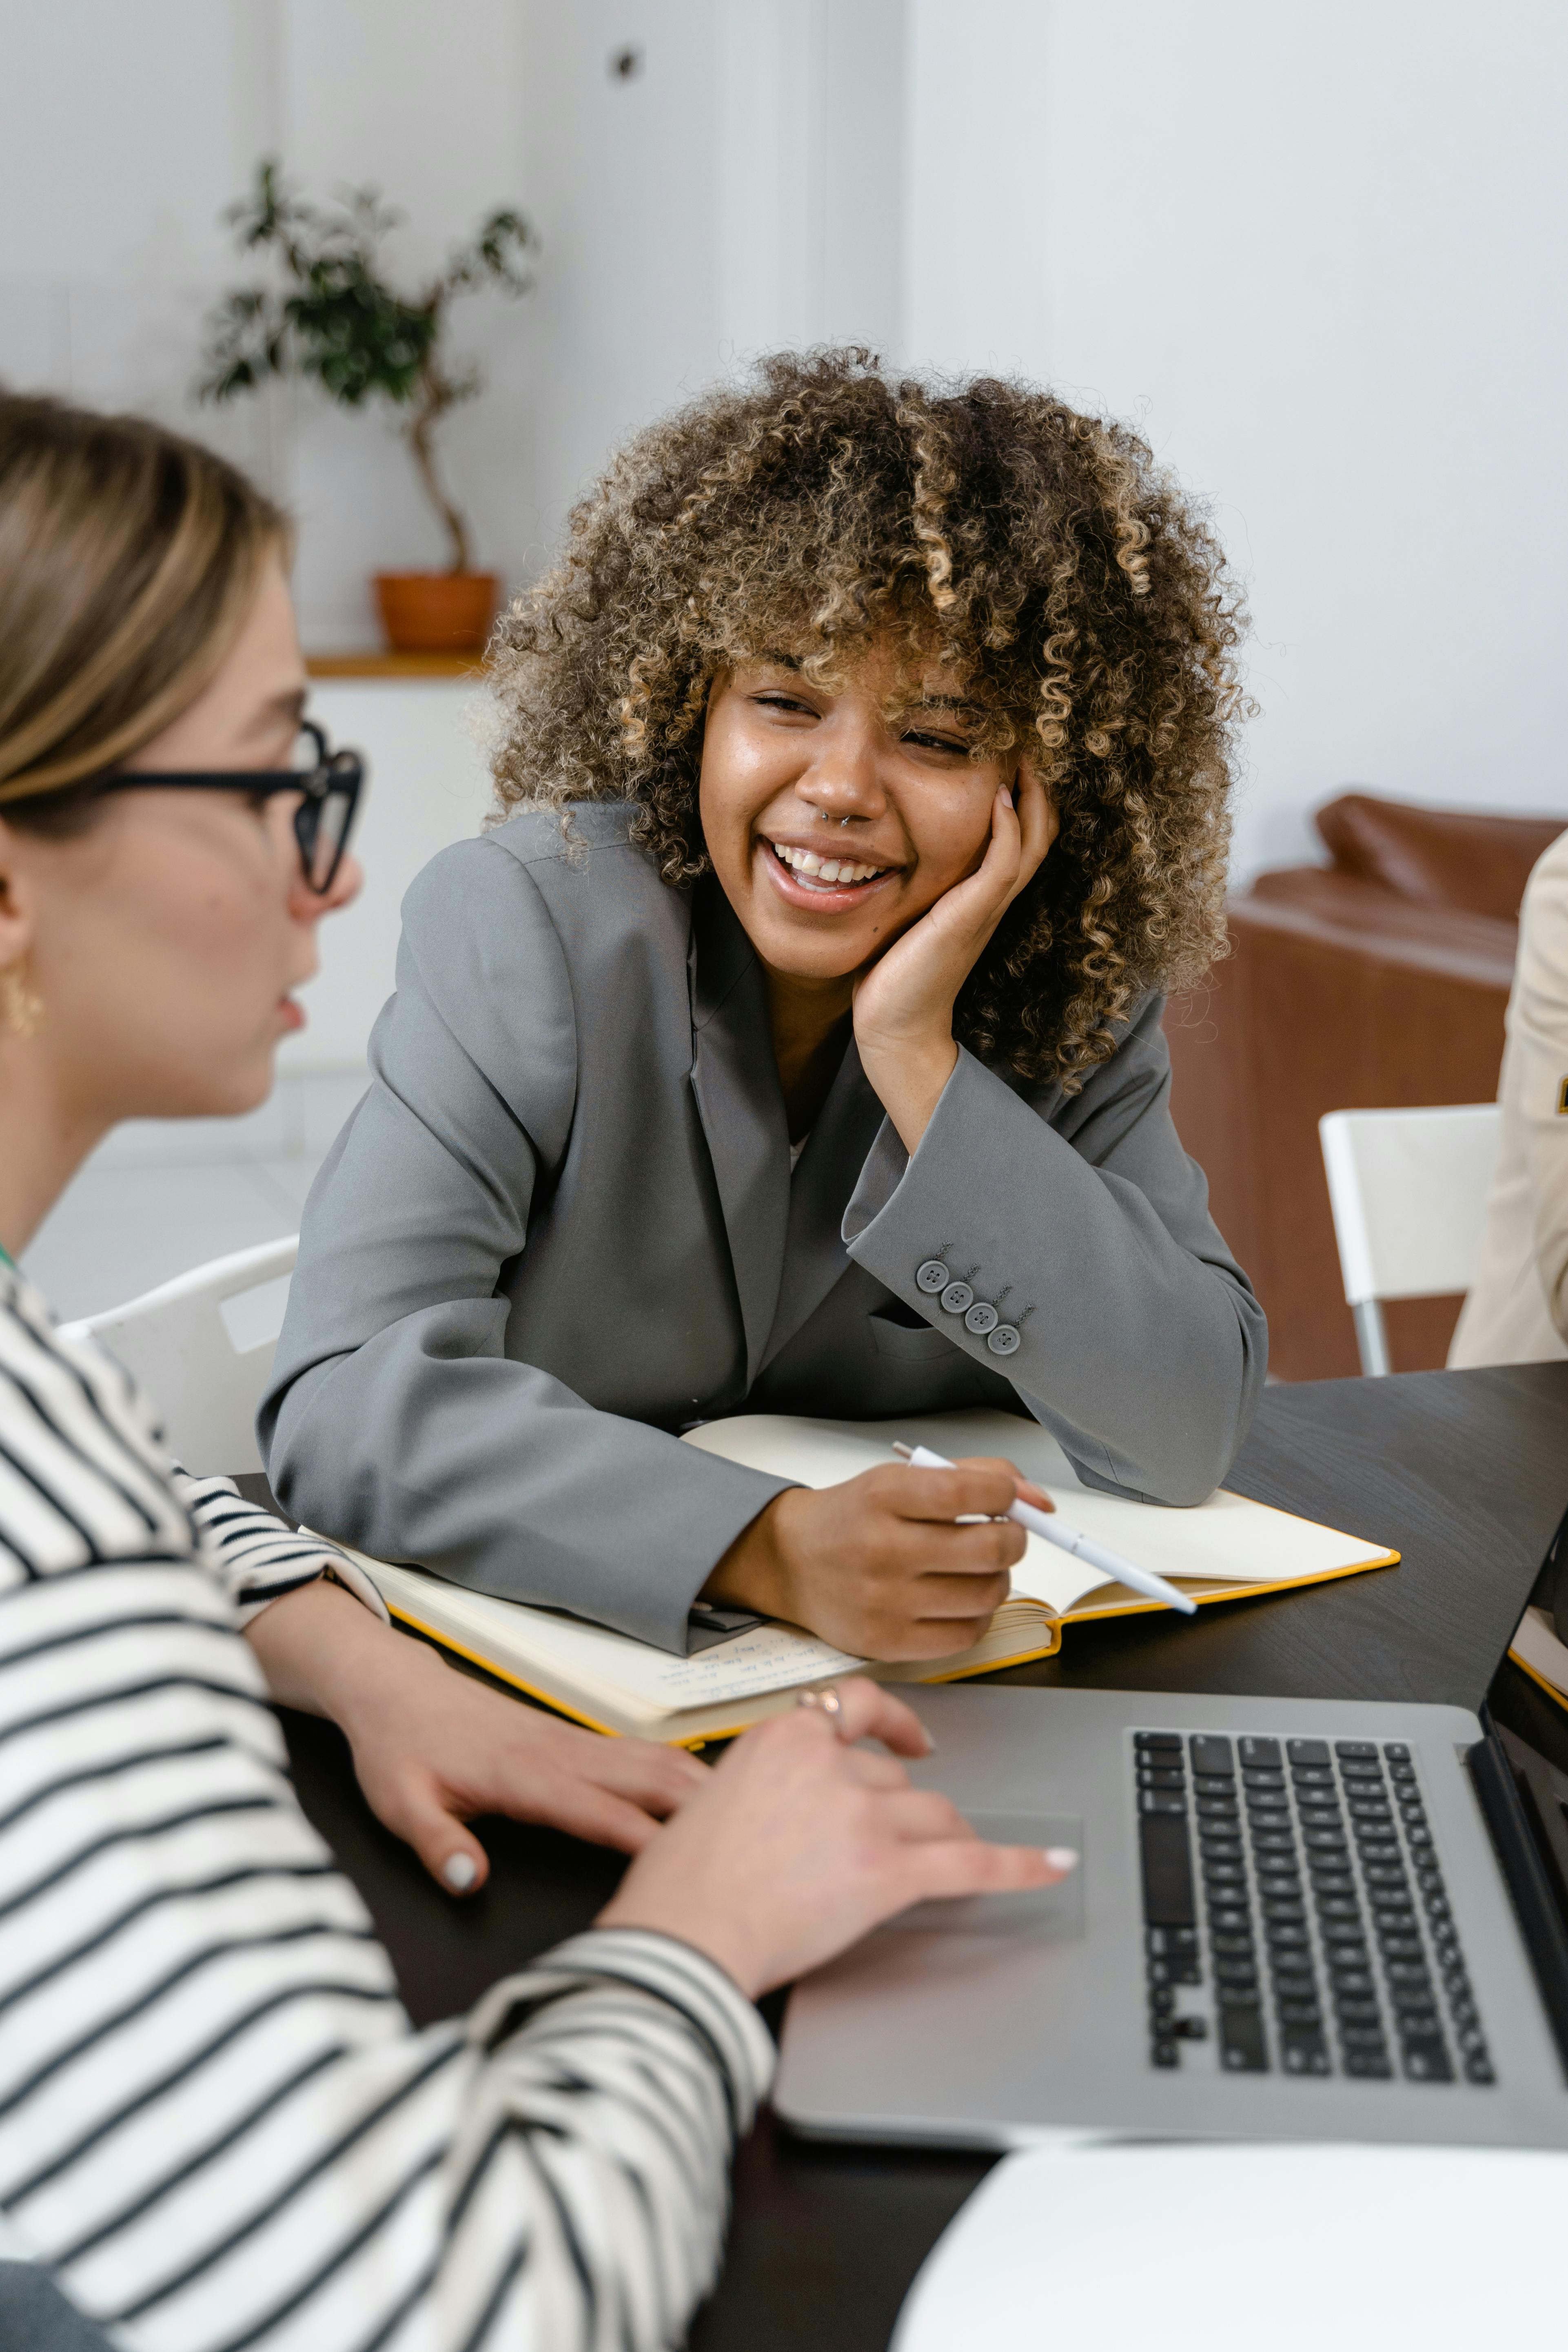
217, 2124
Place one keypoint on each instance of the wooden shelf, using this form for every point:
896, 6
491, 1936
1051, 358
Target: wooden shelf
394, 665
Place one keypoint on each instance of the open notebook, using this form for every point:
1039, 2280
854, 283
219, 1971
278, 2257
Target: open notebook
1219, 1550
1536, 1648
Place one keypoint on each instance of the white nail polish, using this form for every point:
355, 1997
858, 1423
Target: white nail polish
1062, 1857
460, 1870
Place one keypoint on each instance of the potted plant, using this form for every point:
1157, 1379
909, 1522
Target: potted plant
336, 316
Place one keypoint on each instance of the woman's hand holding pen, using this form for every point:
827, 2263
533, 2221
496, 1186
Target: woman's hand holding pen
904, 1003
879, 1566
801, 1842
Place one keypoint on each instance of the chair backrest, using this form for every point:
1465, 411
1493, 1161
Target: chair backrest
1408, 1190
202, 1345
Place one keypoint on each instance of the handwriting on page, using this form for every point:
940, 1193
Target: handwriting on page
769, 1658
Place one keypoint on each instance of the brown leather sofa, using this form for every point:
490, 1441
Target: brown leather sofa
1378, 979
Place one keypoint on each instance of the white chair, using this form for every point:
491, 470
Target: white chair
1408, 1190
202, 1345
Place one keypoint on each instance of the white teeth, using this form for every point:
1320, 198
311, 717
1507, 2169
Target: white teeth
828, 870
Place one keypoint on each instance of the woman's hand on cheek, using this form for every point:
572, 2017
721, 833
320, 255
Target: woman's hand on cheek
903, 1005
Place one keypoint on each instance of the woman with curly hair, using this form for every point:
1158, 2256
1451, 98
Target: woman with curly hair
792, 1043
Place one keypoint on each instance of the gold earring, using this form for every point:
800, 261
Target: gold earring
21, 1007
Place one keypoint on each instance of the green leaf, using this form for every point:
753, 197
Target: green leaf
333, 315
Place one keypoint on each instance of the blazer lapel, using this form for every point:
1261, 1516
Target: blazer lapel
829, 1169
735, 1080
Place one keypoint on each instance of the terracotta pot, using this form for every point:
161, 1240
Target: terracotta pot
436, 612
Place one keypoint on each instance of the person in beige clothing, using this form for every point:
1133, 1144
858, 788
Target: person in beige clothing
1517, 1312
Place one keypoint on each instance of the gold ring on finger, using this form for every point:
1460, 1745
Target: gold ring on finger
824, 1702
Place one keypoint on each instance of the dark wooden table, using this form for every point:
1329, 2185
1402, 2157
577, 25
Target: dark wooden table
1465, 1473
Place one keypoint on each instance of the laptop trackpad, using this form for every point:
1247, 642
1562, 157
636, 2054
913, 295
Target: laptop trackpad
1052, 1914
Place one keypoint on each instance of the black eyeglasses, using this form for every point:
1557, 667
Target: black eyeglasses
329, 782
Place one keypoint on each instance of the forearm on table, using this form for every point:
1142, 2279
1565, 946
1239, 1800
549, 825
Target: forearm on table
1158, 1411
753, 1570
624, 2099
491, 1472
324, 1652
561, 2154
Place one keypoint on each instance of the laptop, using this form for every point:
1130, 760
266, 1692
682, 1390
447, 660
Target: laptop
1294, 1919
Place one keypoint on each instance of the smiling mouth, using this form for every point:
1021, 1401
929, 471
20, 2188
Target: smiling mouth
826, 873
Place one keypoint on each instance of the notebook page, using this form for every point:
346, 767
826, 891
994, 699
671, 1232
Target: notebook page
1535, 1646
748, 1665
1227, 1539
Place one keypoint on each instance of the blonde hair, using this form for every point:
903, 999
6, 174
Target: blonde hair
130, 559
1080, 598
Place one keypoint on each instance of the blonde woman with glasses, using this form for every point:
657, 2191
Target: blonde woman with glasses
217, 2126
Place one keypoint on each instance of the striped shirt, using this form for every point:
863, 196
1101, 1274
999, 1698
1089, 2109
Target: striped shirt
218, 2128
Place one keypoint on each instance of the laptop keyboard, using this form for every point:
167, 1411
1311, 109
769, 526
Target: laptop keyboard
1294, 1883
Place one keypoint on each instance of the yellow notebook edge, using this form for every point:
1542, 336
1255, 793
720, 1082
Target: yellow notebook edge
1027, 1656
1559, 1698
502, 1675
1047, 1649
732, 1731
1090, 1615
561, 1707
989, 1666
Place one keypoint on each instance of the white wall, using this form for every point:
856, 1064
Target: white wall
429, 784
1320, 254
810, 143
740, 191
125, 134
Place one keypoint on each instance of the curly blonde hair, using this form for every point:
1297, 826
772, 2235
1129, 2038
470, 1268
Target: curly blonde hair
1083, 602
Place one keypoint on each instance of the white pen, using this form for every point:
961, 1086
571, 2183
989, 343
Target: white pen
1066, 1538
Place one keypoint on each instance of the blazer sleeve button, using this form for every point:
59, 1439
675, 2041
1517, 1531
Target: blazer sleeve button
1004, 1340
980, 1319
931, 1276
956, 1298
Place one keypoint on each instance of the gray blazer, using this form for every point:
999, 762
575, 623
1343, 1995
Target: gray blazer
561, 1227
